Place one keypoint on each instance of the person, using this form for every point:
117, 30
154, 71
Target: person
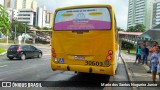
154, 61
138, 56
152, 49
145, 55
158, 68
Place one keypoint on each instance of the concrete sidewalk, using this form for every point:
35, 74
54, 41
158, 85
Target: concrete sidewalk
137, 72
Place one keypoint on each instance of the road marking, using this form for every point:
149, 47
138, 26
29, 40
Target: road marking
4, 66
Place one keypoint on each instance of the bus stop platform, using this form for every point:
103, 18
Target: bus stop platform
138, 72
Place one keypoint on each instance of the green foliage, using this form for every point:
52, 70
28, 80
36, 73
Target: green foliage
50, 28
126, 45
37, 27
4, 40
132, 51
136, 28
131, 29
140, 28
2, 50
120, 29
45, 28
4, 21
20, 28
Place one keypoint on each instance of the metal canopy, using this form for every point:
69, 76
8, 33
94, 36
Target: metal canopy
153, 34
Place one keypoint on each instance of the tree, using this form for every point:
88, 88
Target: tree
45, 28
4, 21
120, 29
131, 29
139, 28
37, 27
136, 28
20, 28
51, 28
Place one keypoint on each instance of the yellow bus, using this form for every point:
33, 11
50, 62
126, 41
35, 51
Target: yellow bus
85, 39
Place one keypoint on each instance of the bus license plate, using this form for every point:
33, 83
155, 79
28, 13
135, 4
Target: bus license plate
79, 57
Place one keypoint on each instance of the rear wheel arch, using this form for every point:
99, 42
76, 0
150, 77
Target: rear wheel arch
39, 55
22, 53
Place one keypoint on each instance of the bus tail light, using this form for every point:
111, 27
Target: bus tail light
53, 50
54, 55
108, 57
110, 52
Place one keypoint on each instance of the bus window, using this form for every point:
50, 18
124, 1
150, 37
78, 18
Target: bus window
83, 19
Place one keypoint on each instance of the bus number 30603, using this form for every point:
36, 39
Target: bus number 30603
94, 63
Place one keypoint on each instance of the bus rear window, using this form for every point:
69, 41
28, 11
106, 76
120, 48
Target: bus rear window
83, 19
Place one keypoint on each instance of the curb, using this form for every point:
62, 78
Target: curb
3, 53
129, 73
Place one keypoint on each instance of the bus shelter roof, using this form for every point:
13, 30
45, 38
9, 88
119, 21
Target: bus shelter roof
34, 29
153, 34
130, 33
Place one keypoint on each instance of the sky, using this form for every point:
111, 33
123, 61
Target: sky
120, 7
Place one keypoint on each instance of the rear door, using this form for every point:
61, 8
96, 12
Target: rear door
25, 49
33, 50
12, 50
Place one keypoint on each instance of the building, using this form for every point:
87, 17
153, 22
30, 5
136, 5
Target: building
29, 13
156, 13
49, 19
34, 5
27, 16
44, 17
40, 17
130, 13
5, 3
12, 14
25, 4
139, 12
2, 2
26, 11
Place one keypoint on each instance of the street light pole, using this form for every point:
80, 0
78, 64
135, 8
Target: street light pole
7, 37
15, 35
25, 35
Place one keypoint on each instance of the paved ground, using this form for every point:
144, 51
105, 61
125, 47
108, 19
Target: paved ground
137, 72
39, 70
121, 76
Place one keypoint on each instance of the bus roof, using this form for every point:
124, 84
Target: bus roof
91, 5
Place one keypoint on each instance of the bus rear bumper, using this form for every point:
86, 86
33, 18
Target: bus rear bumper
86, 69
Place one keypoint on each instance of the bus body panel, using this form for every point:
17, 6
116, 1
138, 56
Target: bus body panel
86, 69
93, 45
